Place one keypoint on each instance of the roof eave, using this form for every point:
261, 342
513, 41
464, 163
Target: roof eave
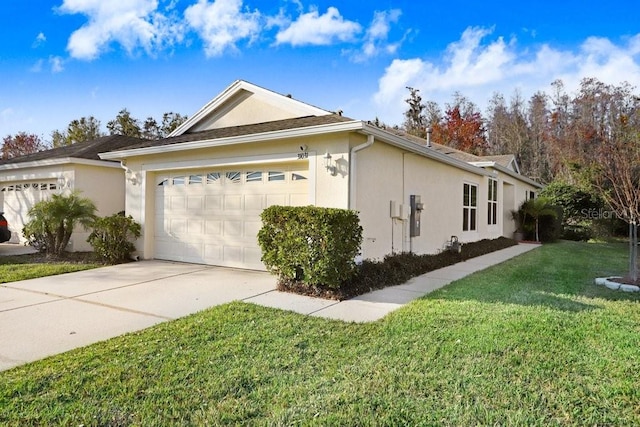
509, 172
405, 144
58, 161
242, 139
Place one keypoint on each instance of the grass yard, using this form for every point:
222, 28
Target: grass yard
528, 342
31, 266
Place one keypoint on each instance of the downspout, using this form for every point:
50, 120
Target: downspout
352, 169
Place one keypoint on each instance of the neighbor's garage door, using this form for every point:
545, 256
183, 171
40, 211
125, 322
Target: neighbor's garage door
19, 197
213, 217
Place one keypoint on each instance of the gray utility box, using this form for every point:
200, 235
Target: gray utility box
414, 219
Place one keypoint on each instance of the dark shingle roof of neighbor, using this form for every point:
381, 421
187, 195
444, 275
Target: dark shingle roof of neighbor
82, 150
228, 132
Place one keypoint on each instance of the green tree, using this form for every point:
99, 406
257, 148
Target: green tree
415, 122
124, 124
79, 130
170, 121
51, 222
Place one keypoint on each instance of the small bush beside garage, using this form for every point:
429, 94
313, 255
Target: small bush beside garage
308, 244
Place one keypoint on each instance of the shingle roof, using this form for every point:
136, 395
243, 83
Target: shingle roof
82, 150
227, 132
503, 160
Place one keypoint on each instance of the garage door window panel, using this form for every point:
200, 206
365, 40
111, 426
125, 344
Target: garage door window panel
254, 177
276, 176
213, 178
234, 177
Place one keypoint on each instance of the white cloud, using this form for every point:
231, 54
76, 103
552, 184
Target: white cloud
222, 23
377, 35
132, 24
477, 68
57, 64
314, 29
40, 40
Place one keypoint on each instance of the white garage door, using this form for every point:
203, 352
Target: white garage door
213, 216
19, 197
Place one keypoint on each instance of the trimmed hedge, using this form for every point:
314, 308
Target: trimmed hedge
395, 269
313, 245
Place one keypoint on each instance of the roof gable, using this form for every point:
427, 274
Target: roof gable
244, 103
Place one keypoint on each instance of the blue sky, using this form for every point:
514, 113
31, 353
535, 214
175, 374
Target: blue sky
65, 59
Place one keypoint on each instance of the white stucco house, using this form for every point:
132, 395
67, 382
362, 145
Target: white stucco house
198, 194
26, 180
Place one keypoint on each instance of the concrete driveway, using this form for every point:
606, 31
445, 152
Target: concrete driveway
51, 315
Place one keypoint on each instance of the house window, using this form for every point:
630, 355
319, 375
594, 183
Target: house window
178, 180
469, 207
297, 177
492, 205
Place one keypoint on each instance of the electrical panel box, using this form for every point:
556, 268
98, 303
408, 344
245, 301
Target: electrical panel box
414, 219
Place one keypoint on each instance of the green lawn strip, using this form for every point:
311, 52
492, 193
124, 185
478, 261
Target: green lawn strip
14, 273
529, 342
23, 267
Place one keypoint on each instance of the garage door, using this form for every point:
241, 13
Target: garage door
213, 216
19, 197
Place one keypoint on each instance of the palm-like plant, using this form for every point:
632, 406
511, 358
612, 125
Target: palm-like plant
536, 209
51, 222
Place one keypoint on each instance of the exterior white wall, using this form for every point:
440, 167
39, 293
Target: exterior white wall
103, 185
514, 193
16, 206
324, 189
386, 174
246, 108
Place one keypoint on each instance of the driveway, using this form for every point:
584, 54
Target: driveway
51, 315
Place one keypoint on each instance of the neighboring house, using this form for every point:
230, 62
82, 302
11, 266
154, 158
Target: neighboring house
199, 193
28, 179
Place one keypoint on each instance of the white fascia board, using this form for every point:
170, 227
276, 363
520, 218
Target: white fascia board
242, 139
59, 161
509, 172
405, 144
232, 90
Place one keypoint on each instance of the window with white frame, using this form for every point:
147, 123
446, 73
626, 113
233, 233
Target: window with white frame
492, 205
469, 207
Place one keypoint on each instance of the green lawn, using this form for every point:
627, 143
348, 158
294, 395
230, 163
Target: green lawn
23, 267
528, 342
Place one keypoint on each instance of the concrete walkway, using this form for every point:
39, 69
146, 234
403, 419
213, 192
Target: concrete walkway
51, 315
377, 304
